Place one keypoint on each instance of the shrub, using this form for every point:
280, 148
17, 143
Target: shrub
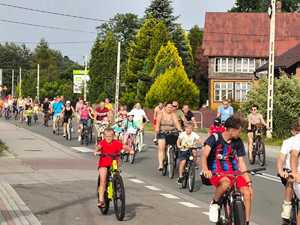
173, 85
286, 102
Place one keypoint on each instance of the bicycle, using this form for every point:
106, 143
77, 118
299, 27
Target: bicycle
232, 208
100, 127
35, 117
259, 149
294, 202
170, 161
189, 175
139, 137
132, 144
86, 134
115, 190
7, 113
69, 129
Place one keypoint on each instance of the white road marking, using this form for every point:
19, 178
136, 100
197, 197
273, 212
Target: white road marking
205, 213
153, 188
83, 149
137, 181
188, 204
268, 178
170, 196
269, 175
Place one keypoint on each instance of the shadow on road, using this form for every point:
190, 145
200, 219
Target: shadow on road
132, 208
65, 205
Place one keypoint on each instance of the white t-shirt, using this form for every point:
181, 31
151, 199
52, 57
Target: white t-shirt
296, 146
286, 148
139, 114
188, 140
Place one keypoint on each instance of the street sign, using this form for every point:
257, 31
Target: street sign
79, 76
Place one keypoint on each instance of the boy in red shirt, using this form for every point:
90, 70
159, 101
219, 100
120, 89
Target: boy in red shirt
108, 146
217, 127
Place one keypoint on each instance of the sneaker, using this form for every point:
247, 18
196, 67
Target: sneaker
286, 210
180, 180
79, 138
214, 213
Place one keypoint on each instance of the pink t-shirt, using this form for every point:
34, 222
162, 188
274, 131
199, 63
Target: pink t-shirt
84, 114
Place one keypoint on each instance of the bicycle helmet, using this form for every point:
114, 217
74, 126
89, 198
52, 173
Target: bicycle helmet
217, 122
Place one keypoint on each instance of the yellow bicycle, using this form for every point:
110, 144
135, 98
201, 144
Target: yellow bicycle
115, 190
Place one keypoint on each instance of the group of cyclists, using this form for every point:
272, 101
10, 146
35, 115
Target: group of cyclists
222, 153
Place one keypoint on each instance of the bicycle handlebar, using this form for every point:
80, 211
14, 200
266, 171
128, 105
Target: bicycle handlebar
236, 174
113, 156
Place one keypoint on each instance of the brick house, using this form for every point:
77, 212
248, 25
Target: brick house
237, 44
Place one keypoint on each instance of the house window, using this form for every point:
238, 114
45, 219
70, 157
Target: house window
230, 65
223, 90
224, 65
241, 91
245, 65
251, 65
238, 65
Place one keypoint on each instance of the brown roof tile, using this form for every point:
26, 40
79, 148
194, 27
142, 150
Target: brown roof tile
247, 34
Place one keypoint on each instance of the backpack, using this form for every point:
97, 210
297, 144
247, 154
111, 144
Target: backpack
206, 181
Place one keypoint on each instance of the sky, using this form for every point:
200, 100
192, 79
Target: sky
191, 12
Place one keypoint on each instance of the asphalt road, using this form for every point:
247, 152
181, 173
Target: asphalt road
145, 204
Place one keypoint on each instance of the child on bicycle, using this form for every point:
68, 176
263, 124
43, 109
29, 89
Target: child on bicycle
186, 140
28, 115
107, 146
130, 128
118, 129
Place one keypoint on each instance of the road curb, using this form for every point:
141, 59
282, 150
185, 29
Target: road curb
13, 210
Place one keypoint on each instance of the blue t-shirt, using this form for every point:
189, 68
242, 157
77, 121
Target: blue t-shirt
225, 113
58, 107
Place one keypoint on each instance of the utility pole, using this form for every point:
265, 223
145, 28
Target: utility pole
84, 80
272, 14
20, 74
118, 81
12, 82
38, 82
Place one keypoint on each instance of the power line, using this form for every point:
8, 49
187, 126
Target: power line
51, 43
47, 27
54, 13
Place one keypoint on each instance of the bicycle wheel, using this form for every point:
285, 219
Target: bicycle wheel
294, 213
119, 197
224, 215
191, 176
132, 156
185, 178
171, 169
105, 209
238, 209
165, 167
140, 142
261, 150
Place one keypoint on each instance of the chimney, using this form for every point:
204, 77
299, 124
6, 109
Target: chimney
278, 6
